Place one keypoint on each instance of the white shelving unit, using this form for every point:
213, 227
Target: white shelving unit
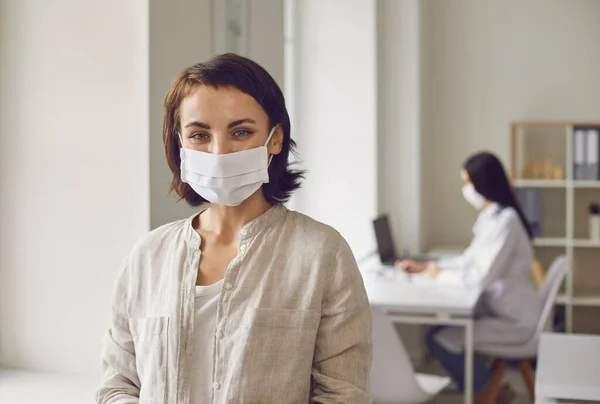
526, 183
550, 242
566, 199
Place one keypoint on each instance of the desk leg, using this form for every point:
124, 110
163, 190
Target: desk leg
469, 354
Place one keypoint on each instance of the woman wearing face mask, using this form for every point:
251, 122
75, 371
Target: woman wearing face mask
245, 301
498, 261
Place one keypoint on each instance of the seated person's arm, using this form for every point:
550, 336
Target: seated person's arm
477, 267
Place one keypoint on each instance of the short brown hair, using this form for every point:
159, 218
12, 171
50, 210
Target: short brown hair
231, 70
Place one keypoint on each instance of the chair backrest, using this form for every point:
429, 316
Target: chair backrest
549, 290
392, 374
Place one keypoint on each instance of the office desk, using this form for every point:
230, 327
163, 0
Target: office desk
412, 299
568, 368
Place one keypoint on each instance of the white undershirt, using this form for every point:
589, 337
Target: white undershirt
205, 319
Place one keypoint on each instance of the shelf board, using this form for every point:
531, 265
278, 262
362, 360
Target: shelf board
550, 242
563, 242
586, 243
578, 301
586, 184
586, 301
527, 183
523, 183
556, 123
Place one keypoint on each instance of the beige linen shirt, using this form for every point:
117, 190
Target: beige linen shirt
293, 319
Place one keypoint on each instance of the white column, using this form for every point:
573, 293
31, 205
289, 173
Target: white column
399, 141
399, 110
336, 115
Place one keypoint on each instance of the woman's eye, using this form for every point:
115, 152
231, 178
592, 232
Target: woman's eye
241, 133
199, 136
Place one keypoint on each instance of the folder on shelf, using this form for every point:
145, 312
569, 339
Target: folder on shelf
592, 150
531, 203
579, 154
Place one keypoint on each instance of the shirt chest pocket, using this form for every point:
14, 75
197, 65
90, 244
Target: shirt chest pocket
279, 346
150, 338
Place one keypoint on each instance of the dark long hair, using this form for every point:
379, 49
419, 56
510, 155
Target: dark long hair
490, 180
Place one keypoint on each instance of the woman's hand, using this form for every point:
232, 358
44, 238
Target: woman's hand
432, 270
410, 266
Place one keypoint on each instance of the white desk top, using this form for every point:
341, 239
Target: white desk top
395, 291
568, 367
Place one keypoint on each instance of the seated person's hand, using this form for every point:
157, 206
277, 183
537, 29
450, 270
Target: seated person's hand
432, 270
410, 266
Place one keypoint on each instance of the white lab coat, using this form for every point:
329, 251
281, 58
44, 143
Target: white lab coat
499, 261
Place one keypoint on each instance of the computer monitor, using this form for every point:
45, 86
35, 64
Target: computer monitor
385, 242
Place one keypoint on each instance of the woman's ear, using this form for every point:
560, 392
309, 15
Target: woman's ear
276, 143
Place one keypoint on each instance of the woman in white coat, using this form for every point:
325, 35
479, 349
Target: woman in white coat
498, 261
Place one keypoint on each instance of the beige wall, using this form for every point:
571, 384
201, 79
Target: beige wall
181, 34
266, 36
490, 63
452, 75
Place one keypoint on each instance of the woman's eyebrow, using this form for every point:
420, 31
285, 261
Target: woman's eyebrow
241, 121
197, 124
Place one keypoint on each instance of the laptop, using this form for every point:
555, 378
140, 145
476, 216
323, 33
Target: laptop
386, 246
385, 243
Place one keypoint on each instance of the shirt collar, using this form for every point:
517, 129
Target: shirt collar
485, 214
250, 229
267, 219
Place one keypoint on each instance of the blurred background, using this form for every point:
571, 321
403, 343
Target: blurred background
387, 98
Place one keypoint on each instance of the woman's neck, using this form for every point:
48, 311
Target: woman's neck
229, 220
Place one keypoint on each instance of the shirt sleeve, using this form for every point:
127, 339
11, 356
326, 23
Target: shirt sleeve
480, 264
454, 263
343, 352
120, 383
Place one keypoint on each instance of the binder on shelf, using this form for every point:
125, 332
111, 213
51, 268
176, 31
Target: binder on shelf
531, 203
592, 150
579, 154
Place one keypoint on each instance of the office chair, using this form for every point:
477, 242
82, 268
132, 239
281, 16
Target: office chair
525, 353
393, 379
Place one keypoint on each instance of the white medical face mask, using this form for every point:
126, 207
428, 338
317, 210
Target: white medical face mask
226, 179
473, 197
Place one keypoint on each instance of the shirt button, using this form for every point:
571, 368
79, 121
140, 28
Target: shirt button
219, 334
216, 386
228, 286
243, 247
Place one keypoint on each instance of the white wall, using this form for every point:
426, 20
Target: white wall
336, 116
491, 63
73, 172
